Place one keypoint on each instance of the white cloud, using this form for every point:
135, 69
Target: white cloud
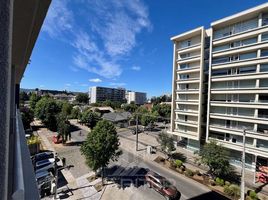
42, 86
118, 23
95, 80
117, 84
136, 68
68, 84
59, 19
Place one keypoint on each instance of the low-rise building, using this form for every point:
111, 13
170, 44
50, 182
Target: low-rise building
136, 97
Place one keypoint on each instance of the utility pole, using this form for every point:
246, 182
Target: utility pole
243, 167
137, 137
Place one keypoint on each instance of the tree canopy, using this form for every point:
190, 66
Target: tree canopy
46, 110
216, 158
164, 110
27, 116
82, 98
167, 143
63, 127
132, 107
101, 145
34, 98
89, 118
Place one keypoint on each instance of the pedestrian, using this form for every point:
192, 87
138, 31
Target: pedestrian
80, 133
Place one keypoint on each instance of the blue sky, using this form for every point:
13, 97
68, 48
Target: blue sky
117, 43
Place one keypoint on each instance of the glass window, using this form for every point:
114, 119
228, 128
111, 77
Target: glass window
264, 52
264, 37
249, 55
264, 83
265, 19
220, 60
264, 68
249, 69
185, 55
219, 72
249, 41
184, 66
222, 47
184, 76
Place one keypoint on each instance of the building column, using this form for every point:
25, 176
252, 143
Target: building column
6, 14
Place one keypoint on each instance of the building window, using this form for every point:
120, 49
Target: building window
264, 37
265, 19
248, 55
264, 52
184, 76
246, 70
264, 68
184, 66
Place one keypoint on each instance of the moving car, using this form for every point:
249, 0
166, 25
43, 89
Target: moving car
161, 185
42, 156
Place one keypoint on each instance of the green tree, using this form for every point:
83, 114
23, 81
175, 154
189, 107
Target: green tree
164, 110
148, 119
66, 108
23, 97
75, 113
167, 143
34, 98
101, 146
46, 110
82, 98
89, 118
132, 107
216, 158
27, 116
63, 127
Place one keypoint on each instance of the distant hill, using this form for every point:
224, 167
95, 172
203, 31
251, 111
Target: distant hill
50, 91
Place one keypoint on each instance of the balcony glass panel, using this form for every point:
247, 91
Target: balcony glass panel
264, 37
263, 113
264, 83
220, 60
265, 19
262, 128
184, 66
222, 47
215, 135
264, 52
248, 55
263, 144
249, 41
264, 68
263, 98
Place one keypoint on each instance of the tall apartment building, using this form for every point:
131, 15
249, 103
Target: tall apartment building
188, 87
137, 97
237, 86
99, 94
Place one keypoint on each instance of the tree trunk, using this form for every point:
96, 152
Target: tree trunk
102, 175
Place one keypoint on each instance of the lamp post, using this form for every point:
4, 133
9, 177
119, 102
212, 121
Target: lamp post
137, 137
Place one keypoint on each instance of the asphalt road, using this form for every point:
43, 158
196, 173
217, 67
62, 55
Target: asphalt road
188, 188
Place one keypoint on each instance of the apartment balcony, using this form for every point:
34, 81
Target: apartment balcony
241, 118
187, 123
24, 182
189, 59
246, 62
237, 90
187, 112
234, 77
187, 91
188, 70
186, 134
238, 104
187, 102
241, 49
188, 80
190, 48
238, 130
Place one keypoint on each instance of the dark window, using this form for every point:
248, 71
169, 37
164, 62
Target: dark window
264, 68
264, 52
265, 19
264, 37
245, 70
219, 72
220, 60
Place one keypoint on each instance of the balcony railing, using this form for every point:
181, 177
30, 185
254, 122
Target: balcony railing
24, 183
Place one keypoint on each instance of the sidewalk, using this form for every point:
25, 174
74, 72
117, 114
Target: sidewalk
77, 188
144, 140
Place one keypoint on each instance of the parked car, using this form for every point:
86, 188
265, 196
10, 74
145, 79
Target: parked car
44, 181
45, 165
57, 140
133, 130
161, 185
42, 156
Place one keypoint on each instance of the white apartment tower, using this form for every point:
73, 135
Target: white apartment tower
138, 98
188, 87
237, 97
238, 86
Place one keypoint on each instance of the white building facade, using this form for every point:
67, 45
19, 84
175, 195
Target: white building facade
138, 98
235, 95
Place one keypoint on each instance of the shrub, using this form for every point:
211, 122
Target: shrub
182, 168
197, 172
219, 181
189, 172
253, 195
212, 182
232, 191
178, 163
227, 183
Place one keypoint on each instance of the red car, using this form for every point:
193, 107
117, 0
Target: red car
57, 140
161, 185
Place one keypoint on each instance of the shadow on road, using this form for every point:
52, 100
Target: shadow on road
74, 128
210, 196
75, 143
